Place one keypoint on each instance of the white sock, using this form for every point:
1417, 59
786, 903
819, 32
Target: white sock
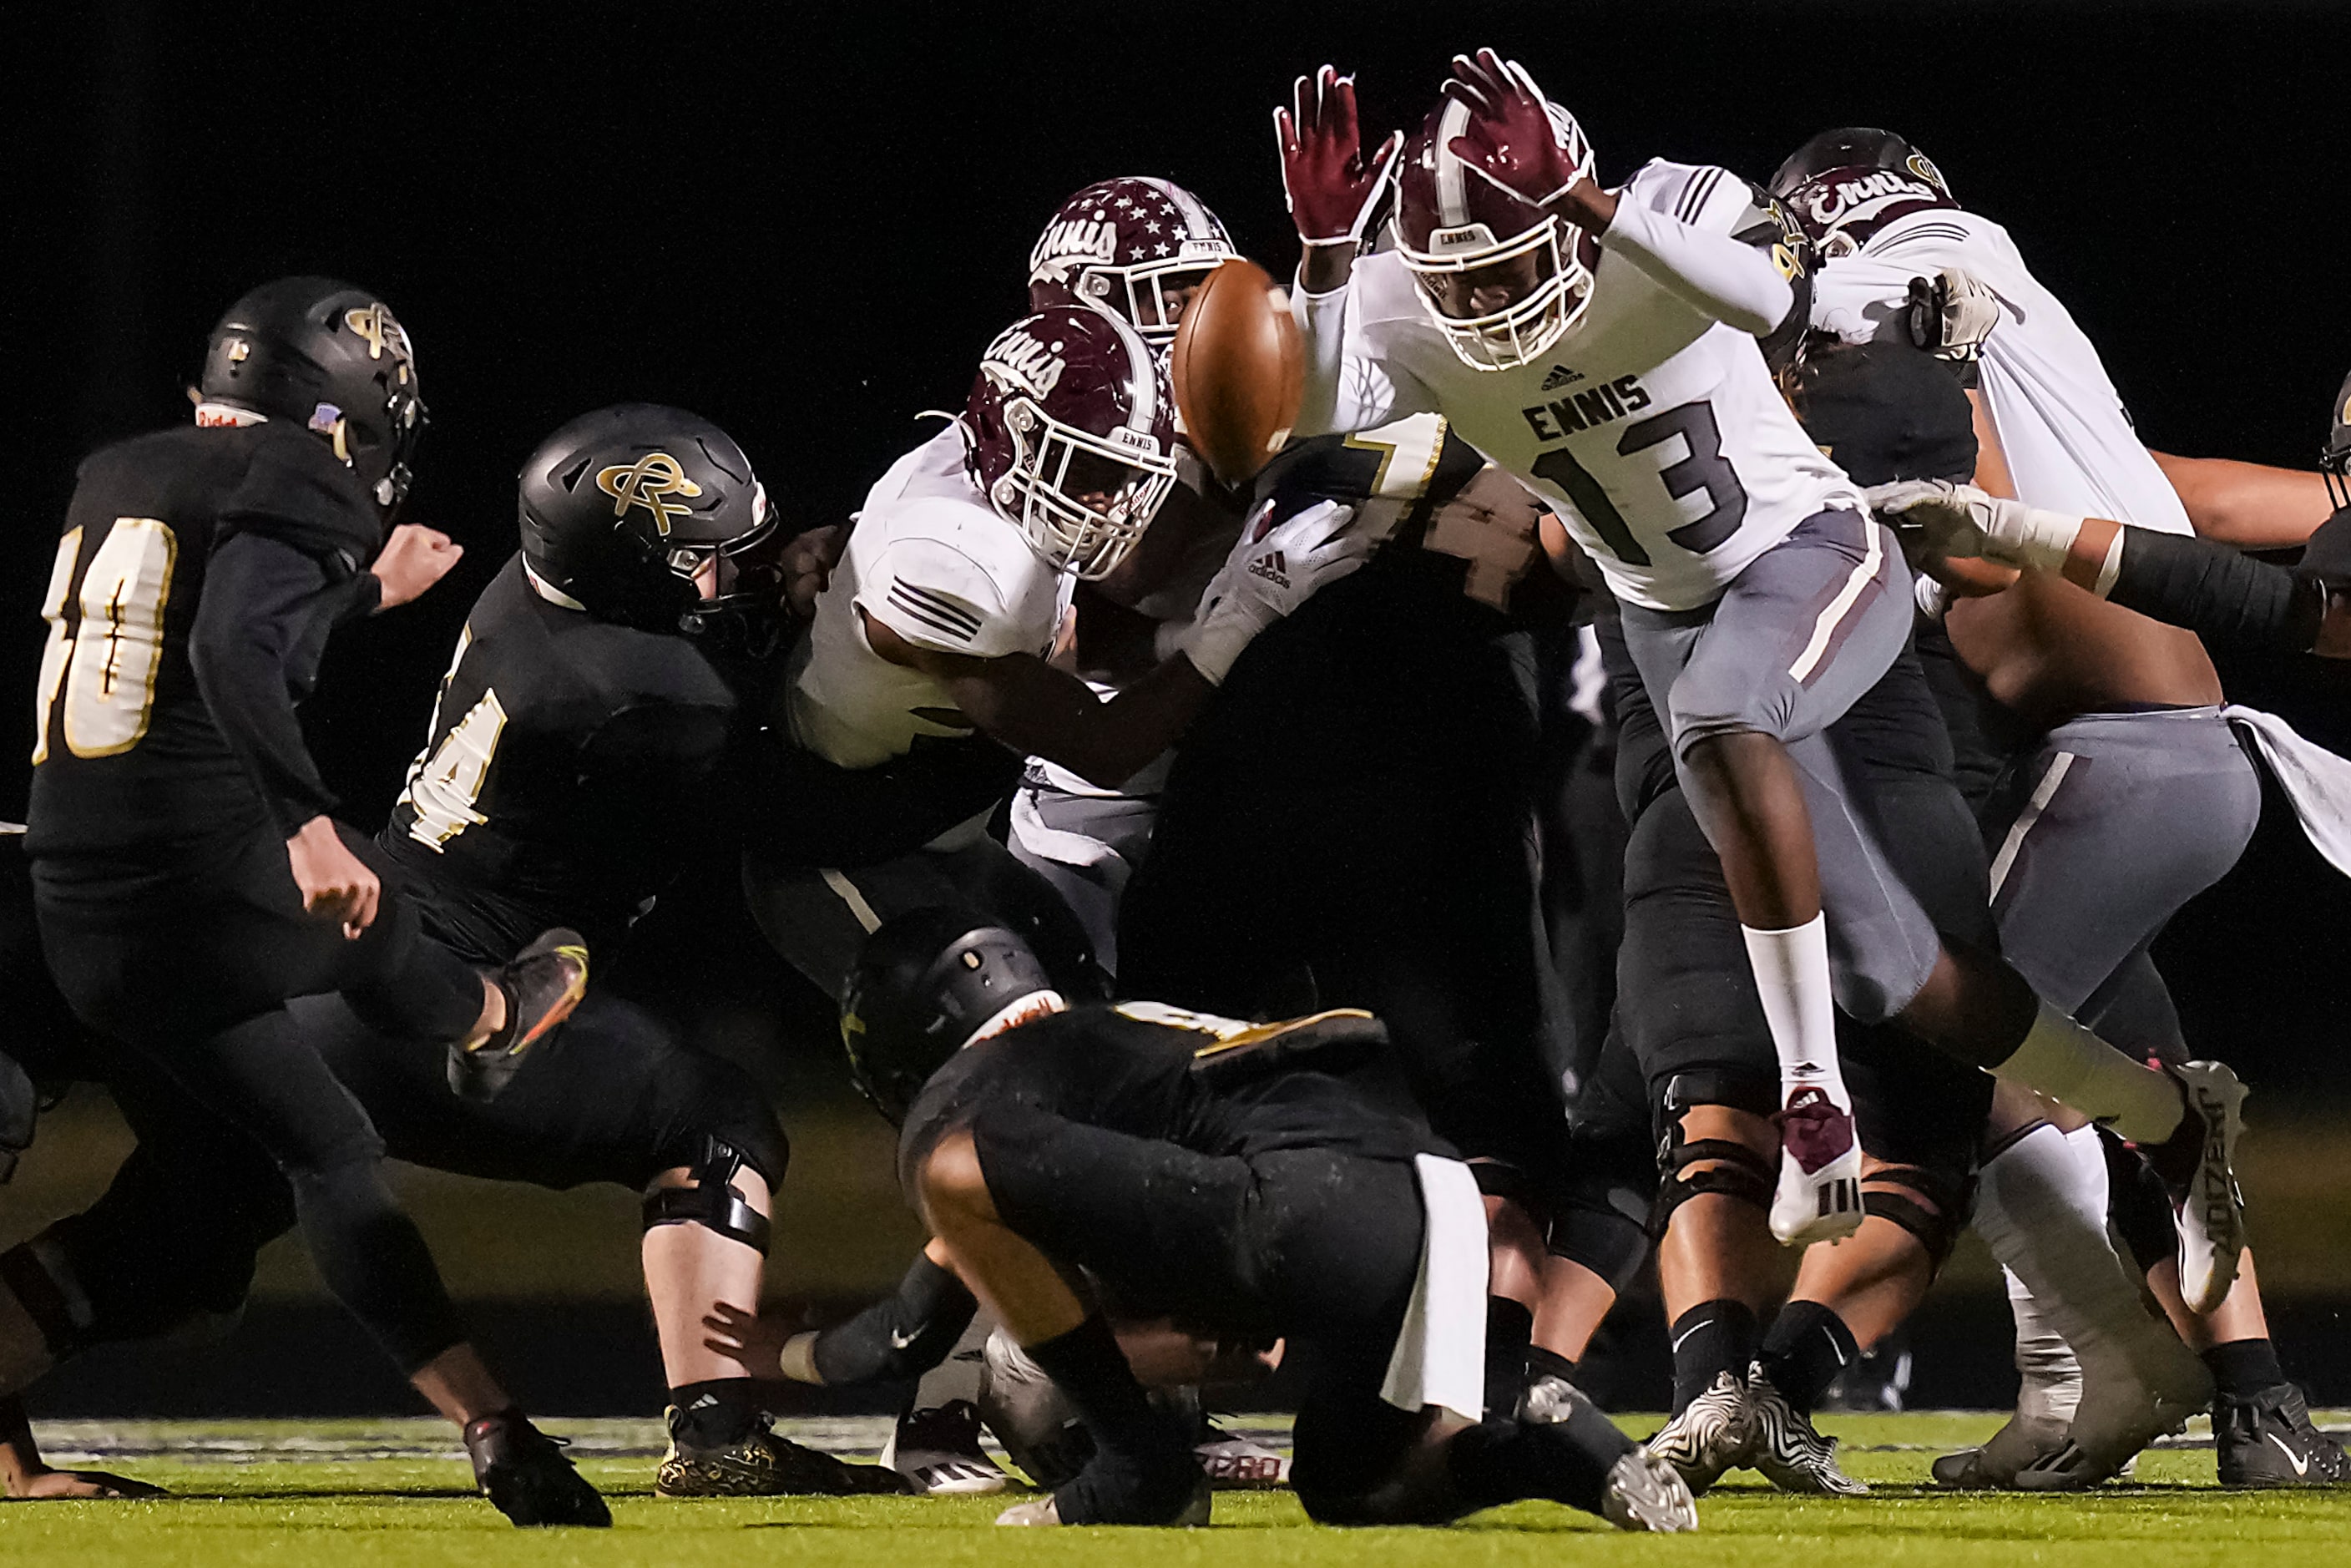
2049, 1377
1791, 974
2061, 1058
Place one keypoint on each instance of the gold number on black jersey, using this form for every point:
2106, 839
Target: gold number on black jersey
105, 647
442, 788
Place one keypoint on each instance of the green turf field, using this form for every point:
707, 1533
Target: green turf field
390, 1494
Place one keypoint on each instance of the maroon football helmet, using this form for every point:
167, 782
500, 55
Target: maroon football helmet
1121, 246
1456, 229
1845, 185
1070, 430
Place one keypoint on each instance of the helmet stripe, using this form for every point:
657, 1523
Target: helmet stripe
1142, 385
1452, 204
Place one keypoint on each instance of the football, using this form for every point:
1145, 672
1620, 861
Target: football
1238, 369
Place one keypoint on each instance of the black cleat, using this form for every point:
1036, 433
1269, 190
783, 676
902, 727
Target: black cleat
2266, 1439
526, 1476
764, 1464
543, 983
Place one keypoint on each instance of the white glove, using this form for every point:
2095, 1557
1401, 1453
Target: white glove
1951, 314
1267, 577
1961, 520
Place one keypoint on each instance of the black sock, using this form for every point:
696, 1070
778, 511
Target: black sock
1712, 1338
1541, 1363
1808, 1346
1141, 1470
2244, 1366
1497, 1462
717, 1414
1509, 1328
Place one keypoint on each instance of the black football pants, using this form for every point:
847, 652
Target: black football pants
188, 962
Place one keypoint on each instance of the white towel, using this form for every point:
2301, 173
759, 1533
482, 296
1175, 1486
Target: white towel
2316, 780
1440, 1354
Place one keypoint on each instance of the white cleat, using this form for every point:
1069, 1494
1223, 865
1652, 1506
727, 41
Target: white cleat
1792, 1455
2211, 1219
1645, 1494
1819, 1195
938, 1452
1716, 1433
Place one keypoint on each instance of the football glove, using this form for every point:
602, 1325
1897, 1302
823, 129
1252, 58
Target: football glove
1267, 577
1951, 314
1512, 141
1961, 520
1332, 190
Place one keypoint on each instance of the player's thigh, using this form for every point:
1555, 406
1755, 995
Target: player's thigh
1794, 640
817, 918
2105, 832
1883, 946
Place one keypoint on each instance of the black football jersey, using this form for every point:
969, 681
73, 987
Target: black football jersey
127, 753
1130, 1068
568, 770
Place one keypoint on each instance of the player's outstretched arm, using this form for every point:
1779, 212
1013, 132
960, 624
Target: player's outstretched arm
1040, 711
2249, 505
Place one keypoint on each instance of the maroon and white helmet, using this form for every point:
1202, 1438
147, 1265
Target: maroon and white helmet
1122, 246
1070, 430
1458, 230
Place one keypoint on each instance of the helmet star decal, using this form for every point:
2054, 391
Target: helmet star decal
649, 482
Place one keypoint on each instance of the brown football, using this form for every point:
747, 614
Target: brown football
1238, 369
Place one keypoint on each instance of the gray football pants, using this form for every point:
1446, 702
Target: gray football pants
1086, 846
1794, 640
2101, 834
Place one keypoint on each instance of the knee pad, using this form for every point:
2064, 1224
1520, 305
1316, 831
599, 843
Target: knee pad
1610, 1239
1937, 1229
711, 1201
1735, 1171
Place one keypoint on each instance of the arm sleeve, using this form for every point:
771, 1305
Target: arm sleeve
264, 604
899, 1336
1349, 384
2231, 600
1676, 231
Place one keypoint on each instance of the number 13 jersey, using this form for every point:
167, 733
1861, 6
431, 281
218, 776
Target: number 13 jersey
1656, 431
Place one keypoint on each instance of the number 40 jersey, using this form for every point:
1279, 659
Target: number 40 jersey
1655, 429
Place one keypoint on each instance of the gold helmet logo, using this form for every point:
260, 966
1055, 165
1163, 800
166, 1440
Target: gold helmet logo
383, 333
649, 482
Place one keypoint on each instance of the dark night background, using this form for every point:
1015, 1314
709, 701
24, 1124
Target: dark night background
805, 222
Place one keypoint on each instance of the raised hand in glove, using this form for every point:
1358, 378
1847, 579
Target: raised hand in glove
1332, 188
1959, 520
1512, 141
1267, 577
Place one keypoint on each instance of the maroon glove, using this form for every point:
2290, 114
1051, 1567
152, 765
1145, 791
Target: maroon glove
1512, 141
1331, 190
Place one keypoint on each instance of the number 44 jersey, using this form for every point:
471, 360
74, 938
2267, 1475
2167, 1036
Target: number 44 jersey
126, 754
1655, 430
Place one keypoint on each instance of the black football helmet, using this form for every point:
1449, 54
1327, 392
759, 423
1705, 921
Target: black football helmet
333, 357
623, 508
1844, 185
2335, 460
924, 983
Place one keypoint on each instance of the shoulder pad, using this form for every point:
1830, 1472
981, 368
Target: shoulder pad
293, 490
946, 581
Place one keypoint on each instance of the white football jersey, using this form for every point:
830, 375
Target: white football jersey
2069, 441
1655, 430
932, 561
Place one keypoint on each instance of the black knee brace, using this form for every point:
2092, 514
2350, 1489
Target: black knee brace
1743, 1174
1937, 1229
711, 1201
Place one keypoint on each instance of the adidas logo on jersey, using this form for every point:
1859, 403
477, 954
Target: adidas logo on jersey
1271, 567
1561, 376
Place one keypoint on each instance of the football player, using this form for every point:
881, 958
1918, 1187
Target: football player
1213, 1171
2126, 718
1603, 348
188, 874
598, 724
955, 583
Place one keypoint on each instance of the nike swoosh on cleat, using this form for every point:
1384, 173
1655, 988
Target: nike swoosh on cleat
900, 1340
2301, 1463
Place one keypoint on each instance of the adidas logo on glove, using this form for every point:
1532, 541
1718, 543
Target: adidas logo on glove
1273, 568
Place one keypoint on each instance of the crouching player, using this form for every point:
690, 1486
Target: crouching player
1213, 1172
